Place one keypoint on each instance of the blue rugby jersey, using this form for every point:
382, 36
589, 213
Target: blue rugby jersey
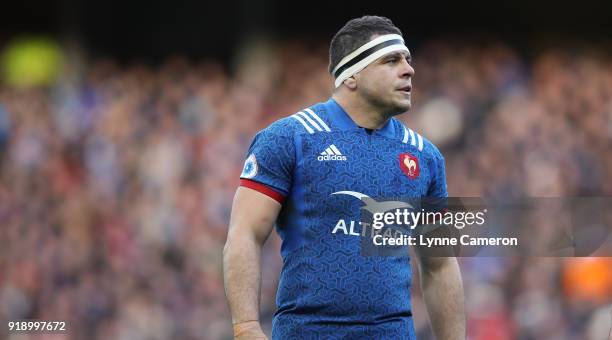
318, 163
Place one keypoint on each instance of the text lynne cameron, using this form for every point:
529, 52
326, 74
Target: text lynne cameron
421, 240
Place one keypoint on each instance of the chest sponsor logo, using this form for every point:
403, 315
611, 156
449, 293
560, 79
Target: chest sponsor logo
357, 228
409, 165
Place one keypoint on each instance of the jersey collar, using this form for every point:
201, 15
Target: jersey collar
341, 120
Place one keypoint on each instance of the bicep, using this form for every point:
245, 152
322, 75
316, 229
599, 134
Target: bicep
253, 215
429, 265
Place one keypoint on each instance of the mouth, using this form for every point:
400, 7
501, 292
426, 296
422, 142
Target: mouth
405, 89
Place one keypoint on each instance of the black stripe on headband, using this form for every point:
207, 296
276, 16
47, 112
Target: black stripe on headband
366, 53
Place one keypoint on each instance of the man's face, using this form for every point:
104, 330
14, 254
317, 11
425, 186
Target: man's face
387, 82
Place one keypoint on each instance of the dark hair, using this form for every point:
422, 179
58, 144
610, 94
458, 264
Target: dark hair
356, 33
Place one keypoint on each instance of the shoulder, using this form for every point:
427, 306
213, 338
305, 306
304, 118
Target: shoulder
309, 120
284, 127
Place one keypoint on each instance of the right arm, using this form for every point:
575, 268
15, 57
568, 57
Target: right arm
252, 219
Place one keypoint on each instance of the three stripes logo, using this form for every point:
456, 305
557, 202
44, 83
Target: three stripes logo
331, 154
311, 121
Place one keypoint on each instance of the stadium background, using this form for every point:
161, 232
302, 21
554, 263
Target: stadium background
123, 128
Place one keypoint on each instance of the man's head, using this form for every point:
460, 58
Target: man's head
369, 59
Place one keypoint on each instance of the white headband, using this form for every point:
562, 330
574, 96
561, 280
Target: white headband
366, 54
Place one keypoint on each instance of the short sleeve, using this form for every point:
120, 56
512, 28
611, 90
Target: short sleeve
437, 186
269, 164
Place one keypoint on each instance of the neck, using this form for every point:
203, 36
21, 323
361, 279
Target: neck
360, 111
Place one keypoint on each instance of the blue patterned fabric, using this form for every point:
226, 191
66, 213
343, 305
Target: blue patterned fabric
327, 290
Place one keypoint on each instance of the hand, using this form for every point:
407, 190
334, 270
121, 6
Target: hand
249, 330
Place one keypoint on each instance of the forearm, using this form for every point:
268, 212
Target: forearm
242, 277
443, 294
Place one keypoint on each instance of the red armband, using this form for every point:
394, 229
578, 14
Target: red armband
264, 189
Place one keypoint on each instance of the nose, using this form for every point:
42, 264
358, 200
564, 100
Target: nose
406, 69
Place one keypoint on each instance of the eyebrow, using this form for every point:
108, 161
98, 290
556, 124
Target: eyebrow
396, 55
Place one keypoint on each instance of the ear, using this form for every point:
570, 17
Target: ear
351, 83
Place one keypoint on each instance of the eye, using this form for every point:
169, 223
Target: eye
391, 60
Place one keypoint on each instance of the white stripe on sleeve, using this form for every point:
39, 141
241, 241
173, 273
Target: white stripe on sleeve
412, 139
405, 140
313, 114
299, 119
312, 122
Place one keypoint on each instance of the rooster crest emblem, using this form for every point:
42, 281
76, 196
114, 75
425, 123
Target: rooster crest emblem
409, 165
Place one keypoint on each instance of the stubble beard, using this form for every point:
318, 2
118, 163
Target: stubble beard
391, 108
388, 104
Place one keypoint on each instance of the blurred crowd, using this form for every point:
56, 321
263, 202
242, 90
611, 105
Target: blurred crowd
116, 183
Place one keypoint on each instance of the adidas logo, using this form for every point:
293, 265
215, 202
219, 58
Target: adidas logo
331, 154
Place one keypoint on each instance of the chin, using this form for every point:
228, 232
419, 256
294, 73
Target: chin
404, 106
408, 105
404, 103
398, 110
